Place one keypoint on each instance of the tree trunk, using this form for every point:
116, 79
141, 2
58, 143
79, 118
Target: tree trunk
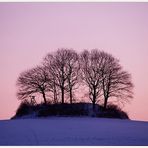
44, 97
62, 91
55, 94
94, 108
55, 97
70, 95
94, 99
105, 103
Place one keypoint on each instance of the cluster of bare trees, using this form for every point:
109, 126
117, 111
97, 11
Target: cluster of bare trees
62, 72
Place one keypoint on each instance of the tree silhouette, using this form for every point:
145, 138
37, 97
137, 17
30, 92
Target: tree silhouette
64, 70
105, 77
72, 65
32, 81
90, 67
63, 67
49, 66
116, 82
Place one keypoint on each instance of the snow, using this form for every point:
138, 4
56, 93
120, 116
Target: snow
73, 131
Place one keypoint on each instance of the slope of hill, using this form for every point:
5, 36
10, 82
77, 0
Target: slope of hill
73, 131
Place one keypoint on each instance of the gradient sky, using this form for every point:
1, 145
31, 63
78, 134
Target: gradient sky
30, 30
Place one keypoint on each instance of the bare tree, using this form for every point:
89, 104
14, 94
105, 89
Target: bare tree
49, 66
58, 66
60, 73
72, 64
104, 76
32, 81
90, 68
63, 68
116, 83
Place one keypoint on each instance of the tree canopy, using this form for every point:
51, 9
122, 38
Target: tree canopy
62, 73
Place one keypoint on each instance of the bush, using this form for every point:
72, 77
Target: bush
24, 109
63, 109
112, 111
76, 109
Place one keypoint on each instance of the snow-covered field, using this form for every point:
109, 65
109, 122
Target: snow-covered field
73, 131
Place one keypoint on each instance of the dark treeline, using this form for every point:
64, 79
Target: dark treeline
64, 71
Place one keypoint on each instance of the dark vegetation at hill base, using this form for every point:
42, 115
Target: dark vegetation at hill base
76, 109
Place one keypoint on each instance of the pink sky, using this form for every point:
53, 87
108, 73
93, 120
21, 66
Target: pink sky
29, 30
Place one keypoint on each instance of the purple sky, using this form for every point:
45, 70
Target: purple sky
29, 30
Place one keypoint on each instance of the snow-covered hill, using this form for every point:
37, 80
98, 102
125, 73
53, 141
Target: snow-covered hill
73, 131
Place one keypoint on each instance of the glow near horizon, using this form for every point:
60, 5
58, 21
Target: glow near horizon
28, 31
